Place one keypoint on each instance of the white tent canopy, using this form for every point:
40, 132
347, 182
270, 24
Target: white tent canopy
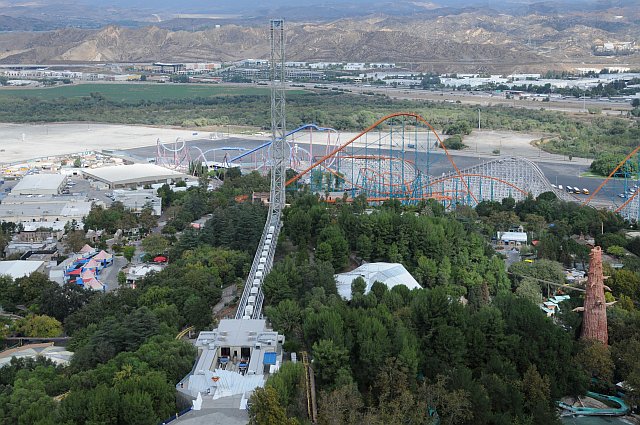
390, 274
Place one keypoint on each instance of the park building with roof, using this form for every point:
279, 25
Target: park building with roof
233, 360
40, 184
133, 175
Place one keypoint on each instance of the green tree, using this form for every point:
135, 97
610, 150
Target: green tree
155, 244
530, 290
137, 408
444, 271
607, 162
104, 405
197, 312
625, 282
39, 326
364, 246
340, 406
545, 270
328, 359
266, 409
358, 286
75, 240
334, 236
394, 254
285, 317
324, 252
122, 279
287, 382
616, 251
61, 301
147, 220
427, 272
537, 393
29, 403
128, 252
454, 142
595, 358
453, 407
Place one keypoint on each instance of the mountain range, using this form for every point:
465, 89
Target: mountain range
430, 36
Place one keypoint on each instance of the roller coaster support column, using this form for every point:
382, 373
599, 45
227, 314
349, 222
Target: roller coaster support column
278, 117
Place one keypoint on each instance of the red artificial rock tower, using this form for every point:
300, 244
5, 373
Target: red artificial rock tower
594, 321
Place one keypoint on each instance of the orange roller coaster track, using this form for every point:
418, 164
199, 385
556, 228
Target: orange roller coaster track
417, 117
605, 181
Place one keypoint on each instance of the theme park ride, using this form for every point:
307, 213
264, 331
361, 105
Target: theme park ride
624, 183
304, 144
401, 157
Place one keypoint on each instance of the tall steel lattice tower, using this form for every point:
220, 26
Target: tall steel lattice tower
278, 118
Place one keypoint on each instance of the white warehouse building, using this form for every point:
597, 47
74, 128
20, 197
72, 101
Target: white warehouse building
40, 184
131, 176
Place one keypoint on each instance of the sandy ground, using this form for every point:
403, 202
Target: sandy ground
482, 143
19, 142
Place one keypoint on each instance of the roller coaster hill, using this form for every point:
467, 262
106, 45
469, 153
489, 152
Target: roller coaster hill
401, 157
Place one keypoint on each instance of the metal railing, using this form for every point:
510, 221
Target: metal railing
272, 221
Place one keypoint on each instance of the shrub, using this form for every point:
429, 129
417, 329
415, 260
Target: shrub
454, 143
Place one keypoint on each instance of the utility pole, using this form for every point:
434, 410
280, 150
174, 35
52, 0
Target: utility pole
278, 119
478, 118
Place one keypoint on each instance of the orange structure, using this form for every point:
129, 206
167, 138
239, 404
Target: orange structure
594, 321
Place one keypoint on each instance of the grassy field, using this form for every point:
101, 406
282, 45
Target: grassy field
132, 93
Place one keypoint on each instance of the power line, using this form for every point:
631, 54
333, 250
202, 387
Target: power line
548, 282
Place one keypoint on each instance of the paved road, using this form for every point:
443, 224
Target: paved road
109, 276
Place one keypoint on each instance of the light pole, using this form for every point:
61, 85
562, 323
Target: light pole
478, 118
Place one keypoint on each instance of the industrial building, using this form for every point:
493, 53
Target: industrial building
40, 184
137, 200
389, 274
132, 176
19, 209
20, 268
